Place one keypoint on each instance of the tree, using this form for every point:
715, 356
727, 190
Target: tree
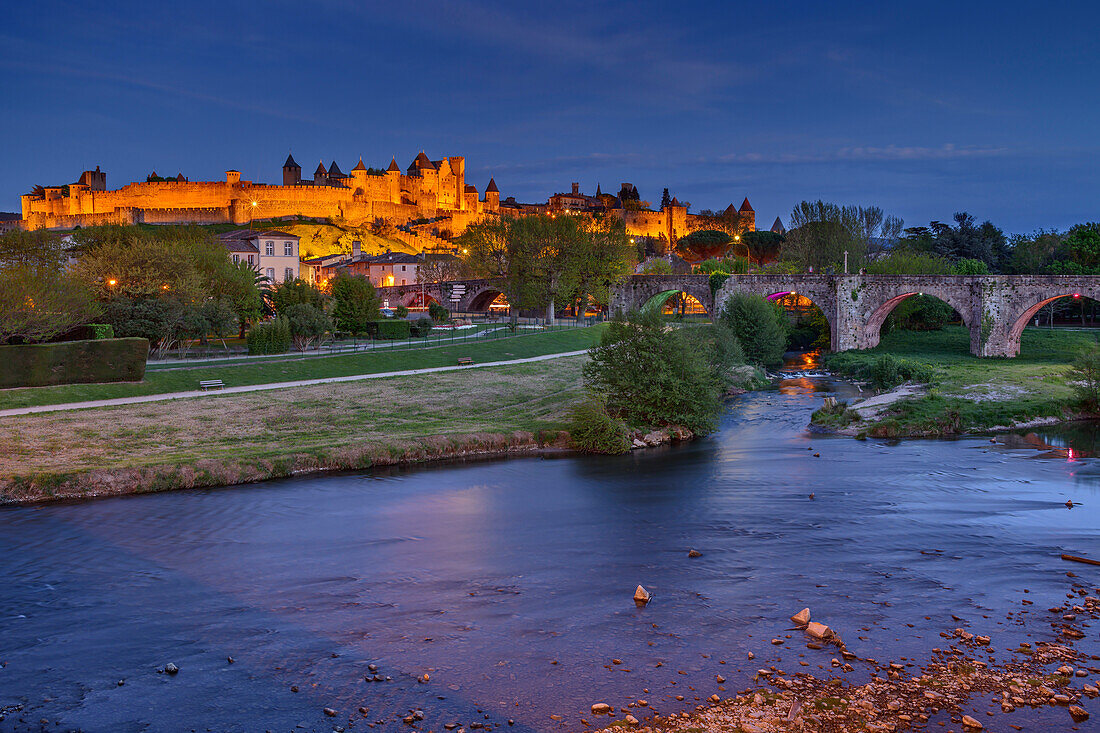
308, 323
703, 244
295, 292
220, 316
822, 232
1083, 244
437, 268
546, 260
759, 326
155, 319
762, 246
356, 302
964, 240
970, 267
666, 200
651, 377
37, 304
1085, 377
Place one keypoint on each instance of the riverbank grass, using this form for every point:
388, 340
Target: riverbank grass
235, 438
969, 394
183, 378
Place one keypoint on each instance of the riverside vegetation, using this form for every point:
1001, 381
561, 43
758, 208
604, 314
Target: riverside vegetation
1056, 378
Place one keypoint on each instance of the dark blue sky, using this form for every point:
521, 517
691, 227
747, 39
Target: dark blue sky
923, 109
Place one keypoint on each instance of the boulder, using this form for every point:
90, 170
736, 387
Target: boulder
802, 618
656, 437
641, 597
1078, 713
818, 630
638, 443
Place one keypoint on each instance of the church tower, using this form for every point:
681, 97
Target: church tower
292, 172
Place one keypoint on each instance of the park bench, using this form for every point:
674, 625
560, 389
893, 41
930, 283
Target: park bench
211, 384
464, 360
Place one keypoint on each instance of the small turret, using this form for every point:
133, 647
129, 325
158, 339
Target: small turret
320, 176
492, 195
393, 166
292, 172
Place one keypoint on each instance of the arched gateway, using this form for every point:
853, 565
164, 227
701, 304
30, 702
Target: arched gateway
995, 308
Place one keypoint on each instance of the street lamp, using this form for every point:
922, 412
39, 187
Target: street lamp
252, 215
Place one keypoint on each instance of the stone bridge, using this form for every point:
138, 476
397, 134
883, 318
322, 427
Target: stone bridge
463, 296
995, 308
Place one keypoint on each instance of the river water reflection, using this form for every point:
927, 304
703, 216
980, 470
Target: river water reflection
509, 583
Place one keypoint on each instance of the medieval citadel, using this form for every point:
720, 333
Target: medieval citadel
431, 193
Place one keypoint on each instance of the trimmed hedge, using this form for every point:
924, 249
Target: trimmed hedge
73, 362
389, 329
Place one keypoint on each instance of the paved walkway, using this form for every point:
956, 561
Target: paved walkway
273, 385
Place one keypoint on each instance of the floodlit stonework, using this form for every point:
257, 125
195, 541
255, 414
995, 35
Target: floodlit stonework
426, 190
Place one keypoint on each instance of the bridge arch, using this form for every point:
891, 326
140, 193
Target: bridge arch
661, 299
482, 298
1018, 318
637, 291
817, 289
882, 300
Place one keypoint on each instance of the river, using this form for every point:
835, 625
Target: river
509, 582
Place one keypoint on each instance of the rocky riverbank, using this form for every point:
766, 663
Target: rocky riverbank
962, 686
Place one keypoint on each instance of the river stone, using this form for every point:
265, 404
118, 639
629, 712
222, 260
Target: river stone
1078, 712
641, 597
801, 618
818, 630
971, 723
601, 708
171, 668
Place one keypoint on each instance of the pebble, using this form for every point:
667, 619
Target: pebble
1078, 712
329, 712
971, 723
601, 708
694, 553
171, 668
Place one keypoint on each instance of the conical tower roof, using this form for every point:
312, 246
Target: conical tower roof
492, 187
321, 169
290, 162
778, 227
746, 206
393, 165
359, 166
334, 170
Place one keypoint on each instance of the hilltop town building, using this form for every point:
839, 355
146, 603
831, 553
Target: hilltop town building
664, 226
272, 253
428, 189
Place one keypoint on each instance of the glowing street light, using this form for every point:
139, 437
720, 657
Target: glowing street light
112, 282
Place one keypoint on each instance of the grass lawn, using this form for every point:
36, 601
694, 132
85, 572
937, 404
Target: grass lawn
181, 379
969, 393
321, 421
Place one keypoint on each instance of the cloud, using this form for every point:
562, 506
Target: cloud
866, 153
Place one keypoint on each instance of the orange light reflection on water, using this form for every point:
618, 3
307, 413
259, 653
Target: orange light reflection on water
801, 385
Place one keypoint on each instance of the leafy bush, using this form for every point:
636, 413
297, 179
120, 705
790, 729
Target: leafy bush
1084, 377
652, 377
154, 319
390, 329
717, 280
883, 371
101, 330
760, 328
420, 327
438, 313
307, 324
296, 292
400, 312
38, 303
592, 430
272, 337
74, 362
970, 267
835, 414
356, 303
